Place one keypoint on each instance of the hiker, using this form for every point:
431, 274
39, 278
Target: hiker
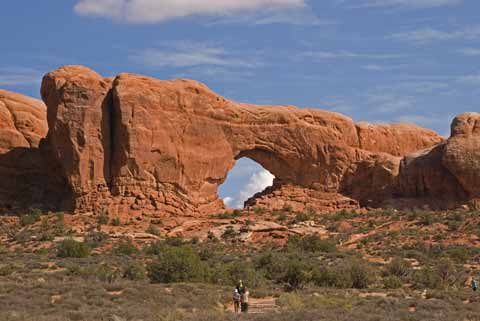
474, 285
236, 300
244, 300
240, 287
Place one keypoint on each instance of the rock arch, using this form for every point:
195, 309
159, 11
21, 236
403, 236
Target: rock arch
166, 146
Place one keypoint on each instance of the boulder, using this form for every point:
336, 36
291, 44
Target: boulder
462, 152
23, 121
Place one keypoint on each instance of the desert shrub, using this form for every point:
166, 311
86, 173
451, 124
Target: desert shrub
230, 273
360, 273
297, 274
258, 210
301, 217
46, 236
72, 248
290, 301
174, 241
229, 233
116, 221
103, 217
152, 229
343, 215
330, 277
311, 243
155, 248
107, 273
230, 215
59, 227
426, 278
427, 218
96, 238
30, 218
446, 270
460, 254
398, 267
177, 264
281, 217
454, 226
6, 270
134, 271
125, 247
353, 273
211, 237
392, 282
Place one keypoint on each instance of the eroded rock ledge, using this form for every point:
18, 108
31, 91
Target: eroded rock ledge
138, 145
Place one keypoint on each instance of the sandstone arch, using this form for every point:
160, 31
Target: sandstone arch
141, 144
138, 145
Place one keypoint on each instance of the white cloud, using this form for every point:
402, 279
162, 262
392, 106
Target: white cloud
258, 182
153, 11
427, 35
410, 4
13, 76
470, 51
344, 54
186, 54
228, 201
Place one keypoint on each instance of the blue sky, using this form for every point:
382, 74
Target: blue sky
373, 60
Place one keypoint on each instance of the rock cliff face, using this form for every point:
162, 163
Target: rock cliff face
137, 145
24, 168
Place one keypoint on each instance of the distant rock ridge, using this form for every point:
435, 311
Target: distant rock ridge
135, 145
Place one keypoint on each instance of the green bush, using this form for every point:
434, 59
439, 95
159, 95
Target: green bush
6, 270
152, 229
95, 239
134, 271
398, 267
31, 218
230, 273
297, 275
72, 248
103, 218
360, 273
329, 277
116, 221
426, 278
311, 243
125, 247
177, 264
392, 282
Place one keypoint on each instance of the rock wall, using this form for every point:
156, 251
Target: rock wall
138, 145
25, 167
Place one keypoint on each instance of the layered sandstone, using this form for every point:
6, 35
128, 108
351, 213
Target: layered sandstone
23, 121
135, 145
24, 168
141, 144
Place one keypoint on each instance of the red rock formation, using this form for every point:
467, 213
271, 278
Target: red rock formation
23, 121
462, 152
136, 145
166, 146
24, 170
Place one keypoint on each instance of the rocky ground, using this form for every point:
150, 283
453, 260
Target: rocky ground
413, 265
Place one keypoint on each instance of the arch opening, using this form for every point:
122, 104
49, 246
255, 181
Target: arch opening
244, 180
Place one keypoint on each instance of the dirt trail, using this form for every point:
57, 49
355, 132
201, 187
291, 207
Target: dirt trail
258, 306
